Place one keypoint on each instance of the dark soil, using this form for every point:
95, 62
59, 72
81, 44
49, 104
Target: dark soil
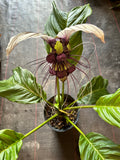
60, 122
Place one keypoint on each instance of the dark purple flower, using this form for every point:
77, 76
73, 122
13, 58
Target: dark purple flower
59, 58
71, 69
51, 58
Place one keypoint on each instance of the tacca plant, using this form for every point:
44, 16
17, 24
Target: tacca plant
63, 42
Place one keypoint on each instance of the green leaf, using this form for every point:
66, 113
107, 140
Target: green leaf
56, 21
22, 87
108, 108
78, 15
98, 147
59, 20
76, 47
10, 144
93, 90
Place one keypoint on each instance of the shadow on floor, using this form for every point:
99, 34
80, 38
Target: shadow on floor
68, 142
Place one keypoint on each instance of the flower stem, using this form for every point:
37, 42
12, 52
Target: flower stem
58, 90
35, 129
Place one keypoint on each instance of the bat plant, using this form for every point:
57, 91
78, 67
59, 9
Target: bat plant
63, 42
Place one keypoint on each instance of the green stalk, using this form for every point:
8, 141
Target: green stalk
58, 90
83, 136
51, 104
88, 106
78, 107
72, 103
35, 129
75, 127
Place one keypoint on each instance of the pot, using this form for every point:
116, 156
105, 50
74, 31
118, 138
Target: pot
59, 123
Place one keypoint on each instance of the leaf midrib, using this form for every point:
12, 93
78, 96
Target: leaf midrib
12, 144
28, 89
94, 147
91, 92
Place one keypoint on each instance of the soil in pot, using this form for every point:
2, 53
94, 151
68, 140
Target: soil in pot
59, 123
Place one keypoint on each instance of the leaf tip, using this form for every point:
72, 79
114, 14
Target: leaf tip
103, 41
102, 38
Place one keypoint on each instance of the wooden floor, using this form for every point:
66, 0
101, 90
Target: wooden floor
31, 15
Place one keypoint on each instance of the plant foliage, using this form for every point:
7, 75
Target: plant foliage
22, 87
59, 20
108, 108
97, 147
93, 90
10, 144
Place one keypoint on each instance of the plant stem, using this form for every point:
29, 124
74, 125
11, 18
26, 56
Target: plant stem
72, 103
60, 110
76, 127
85, 137
88, 106
35, 129
78, 107
58, 90
62, 92
51, 104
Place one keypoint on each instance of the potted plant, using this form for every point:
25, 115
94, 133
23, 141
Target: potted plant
63, 41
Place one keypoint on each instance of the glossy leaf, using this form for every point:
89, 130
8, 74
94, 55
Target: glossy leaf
22, 87
59, 20
93, 90
98, 147
78, 15
56, 21
10, 144
109, 108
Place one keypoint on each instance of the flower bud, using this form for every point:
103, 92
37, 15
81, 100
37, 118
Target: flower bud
51, 58
61, 57
61, 74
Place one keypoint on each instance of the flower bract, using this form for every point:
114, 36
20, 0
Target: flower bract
60, 51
